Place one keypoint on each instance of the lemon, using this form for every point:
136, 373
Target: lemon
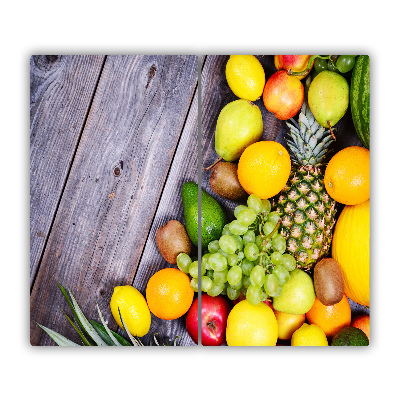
245, 76
250, 325
309, 335
134, 310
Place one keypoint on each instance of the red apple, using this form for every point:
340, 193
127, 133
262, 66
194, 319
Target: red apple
296, 63
214, 314
283, 95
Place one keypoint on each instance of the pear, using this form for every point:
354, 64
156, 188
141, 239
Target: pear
239, 125
297, 296
328, 98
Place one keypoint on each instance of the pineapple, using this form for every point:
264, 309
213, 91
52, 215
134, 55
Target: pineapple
306, 209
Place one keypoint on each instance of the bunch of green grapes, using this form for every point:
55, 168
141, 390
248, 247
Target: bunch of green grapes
248, 258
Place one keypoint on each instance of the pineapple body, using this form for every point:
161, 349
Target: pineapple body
306, 209
307, 213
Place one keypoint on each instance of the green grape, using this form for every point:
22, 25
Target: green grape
240, 255
251, 251
332, 66
345, 63
217, 262
225, 288
257, 276
233, 259
204, 261
258, 241
273, 217
203, 269
239, 242
288, 262
238, 209
238, 286
247, 217
268, 228
249, 237
226, 230
255, 203
206, 283
266, 206
278, 293
213, 246
227, 244
254, 295
210, 274
226, 255
264, 295
271, 285
282, 274
216, 289
194, 269
276, 258
232, 293
183, 262
243, 290
237, 228
234, 275
320, 65
194, 284
279, 243
246, 281
247, 266
221, 276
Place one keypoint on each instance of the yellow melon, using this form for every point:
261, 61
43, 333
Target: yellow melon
350, 248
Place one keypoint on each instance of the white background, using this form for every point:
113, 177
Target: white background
205, 27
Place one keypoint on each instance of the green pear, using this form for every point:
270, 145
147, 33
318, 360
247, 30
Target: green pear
328, 98
297, 296
239, 125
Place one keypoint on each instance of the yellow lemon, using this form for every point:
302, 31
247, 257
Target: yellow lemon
134, 310
250, 325
309, 335
245, 76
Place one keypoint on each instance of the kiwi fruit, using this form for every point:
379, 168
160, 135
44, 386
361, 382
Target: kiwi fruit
172, 239
328, 281
225, 183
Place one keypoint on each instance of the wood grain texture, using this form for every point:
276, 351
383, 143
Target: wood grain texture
184, 168
61, 90
104, 217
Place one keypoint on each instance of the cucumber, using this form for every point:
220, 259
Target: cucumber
359, 98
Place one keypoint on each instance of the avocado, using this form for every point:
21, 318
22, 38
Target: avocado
350, 336
213, 218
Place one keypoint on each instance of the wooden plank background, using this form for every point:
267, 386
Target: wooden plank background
103, 219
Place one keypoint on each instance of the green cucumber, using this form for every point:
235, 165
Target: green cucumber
359, 98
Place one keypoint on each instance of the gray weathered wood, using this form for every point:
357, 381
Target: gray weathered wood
104, 217
61, 91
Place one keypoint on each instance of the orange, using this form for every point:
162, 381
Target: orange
361, 322
331, 319
264, 168
169, 294
347, 176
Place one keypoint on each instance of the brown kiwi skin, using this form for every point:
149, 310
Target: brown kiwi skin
328, 281
172, 239
225, 183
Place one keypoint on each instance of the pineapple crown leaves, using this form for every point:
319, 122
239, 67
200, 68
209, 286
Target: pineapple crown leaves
307, 140
91, 332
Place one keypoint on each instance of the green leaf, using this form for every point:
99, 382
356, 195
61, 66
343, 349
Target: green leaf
80, 333
85, 323
135, 342
109, 334
103, 334
59, 339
